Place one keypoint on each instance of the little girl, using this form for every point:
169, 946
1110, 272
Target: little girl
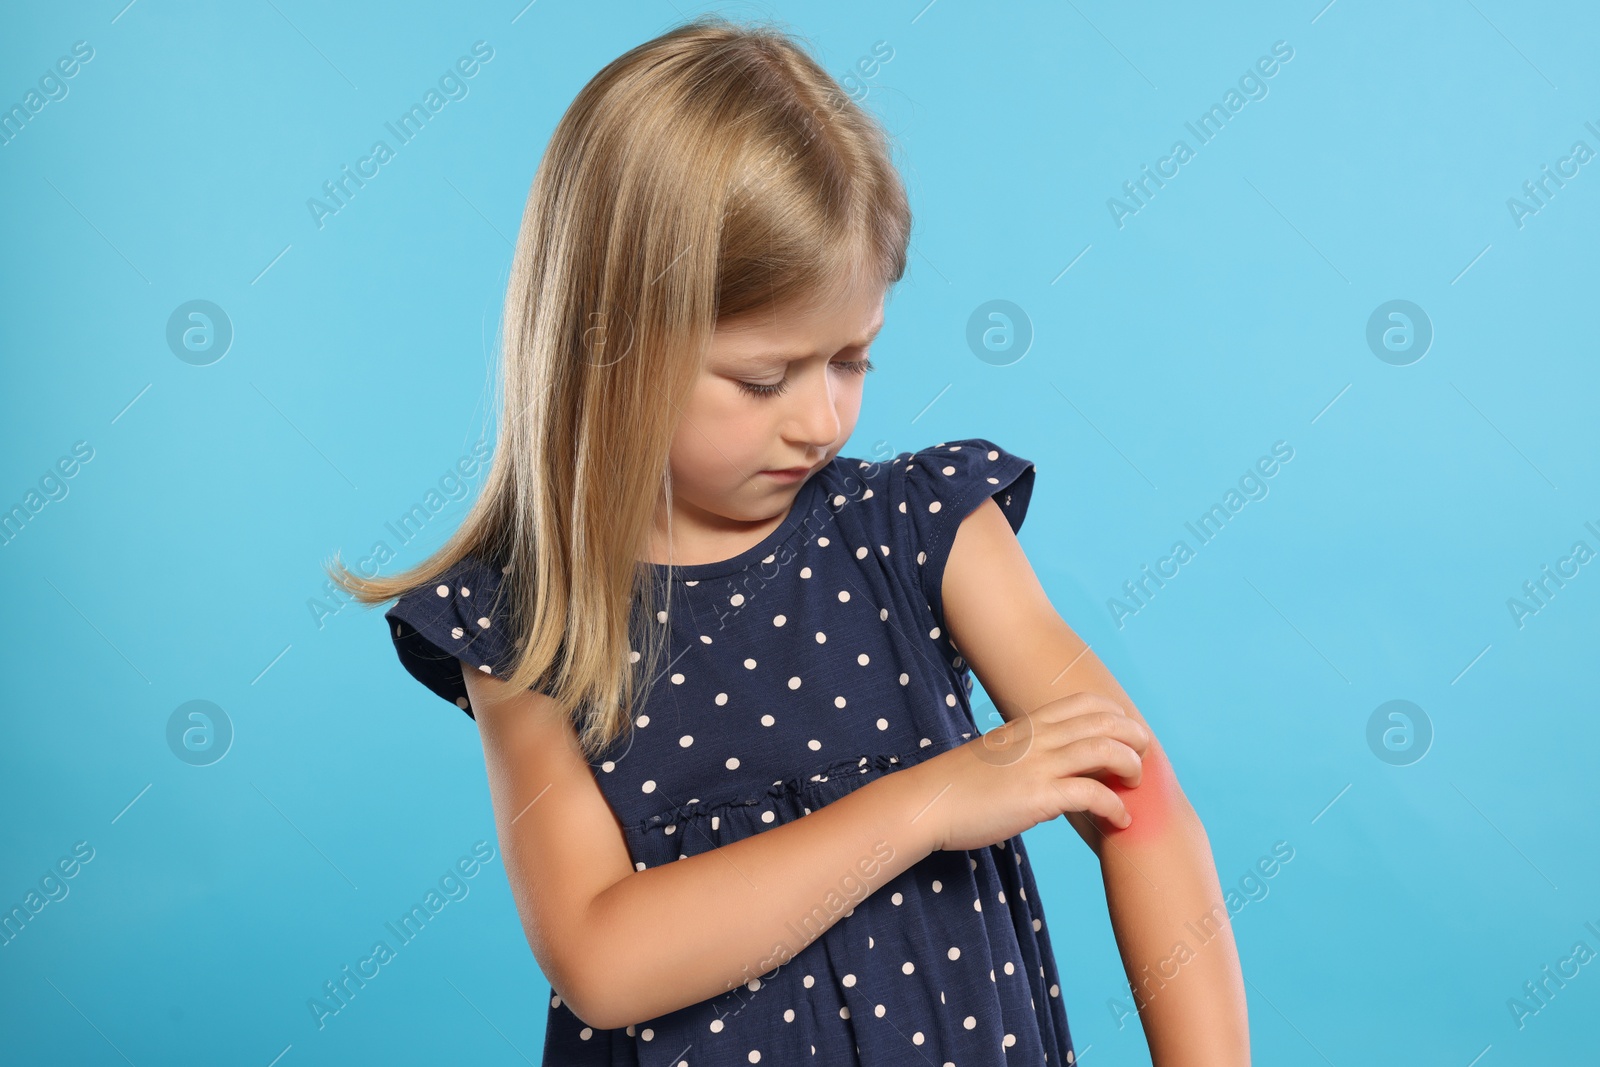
745, 809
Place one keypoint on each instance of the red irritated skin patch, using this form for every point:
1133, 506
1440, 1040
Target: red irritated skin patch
1150, 803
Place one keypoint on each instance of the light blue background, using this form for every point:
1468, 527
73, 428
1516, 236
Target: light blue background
1228, 313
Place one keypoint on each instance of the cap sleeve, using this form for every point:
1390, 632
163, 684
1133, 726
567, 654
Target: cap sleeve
455, 618
937, 487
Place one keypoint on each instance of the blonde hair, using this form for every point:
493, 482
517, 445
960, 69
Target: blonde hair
714, 172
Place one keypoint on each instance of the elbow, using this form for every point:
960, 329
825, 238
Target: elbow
592, 998
582, 981
605, 1005
595, 970
603, 993
597, 1013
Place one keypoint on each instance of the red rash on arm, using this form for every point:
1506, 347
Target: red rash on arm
1150, 803
1159, 873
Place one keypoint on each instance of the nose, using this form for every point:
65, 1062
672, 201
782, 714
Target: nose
813, 414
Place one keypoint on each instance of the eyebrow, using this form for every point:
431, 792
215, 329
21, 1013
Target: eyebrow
759, 358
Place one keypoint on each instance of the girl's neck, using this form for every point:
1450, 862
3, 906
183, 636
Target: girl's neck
699, 537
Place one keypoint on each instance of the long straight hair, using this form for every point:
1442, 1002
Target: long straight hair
714, 172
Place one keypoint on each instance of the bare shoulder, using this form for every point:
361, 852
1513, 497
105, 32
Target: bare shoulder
562, 844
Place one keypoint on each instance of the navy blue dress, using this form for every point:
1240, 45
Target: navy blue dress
799, 671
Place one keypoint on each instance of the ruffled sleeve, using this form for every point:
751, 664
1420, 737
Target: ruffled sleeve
455, 619
937, 487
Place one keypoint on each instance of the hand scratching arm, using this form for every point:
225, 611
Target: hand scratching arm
1160, 877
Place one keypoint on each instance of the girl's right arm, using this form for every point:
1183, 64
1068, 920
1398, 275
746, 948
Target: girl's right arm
621, 946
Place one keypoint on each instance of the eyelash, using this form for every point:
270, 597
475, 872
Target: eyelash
852, 366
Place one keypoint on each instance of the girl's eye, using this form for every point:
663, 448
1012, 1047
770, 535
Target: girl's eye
851, 366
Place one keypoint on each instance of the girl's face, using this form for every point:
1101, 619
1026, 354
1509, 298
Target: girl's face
780, 389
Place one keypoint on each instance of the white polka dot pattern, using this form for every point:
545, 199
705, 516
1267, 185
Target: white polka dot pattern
827, 667
938, 487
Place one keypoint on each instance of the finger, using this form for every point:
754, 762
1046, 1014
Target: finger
1086, 794
1158, 800
1080, 703
1099, 723
1101, 757
1131, 732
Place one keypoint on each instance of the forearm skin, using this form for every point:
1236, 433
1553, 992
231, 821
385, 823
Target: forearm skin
1173, 927
683, 932
1167, 910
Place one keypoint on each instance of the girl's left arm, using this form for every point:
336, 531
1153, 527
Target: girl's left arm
1166, 905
